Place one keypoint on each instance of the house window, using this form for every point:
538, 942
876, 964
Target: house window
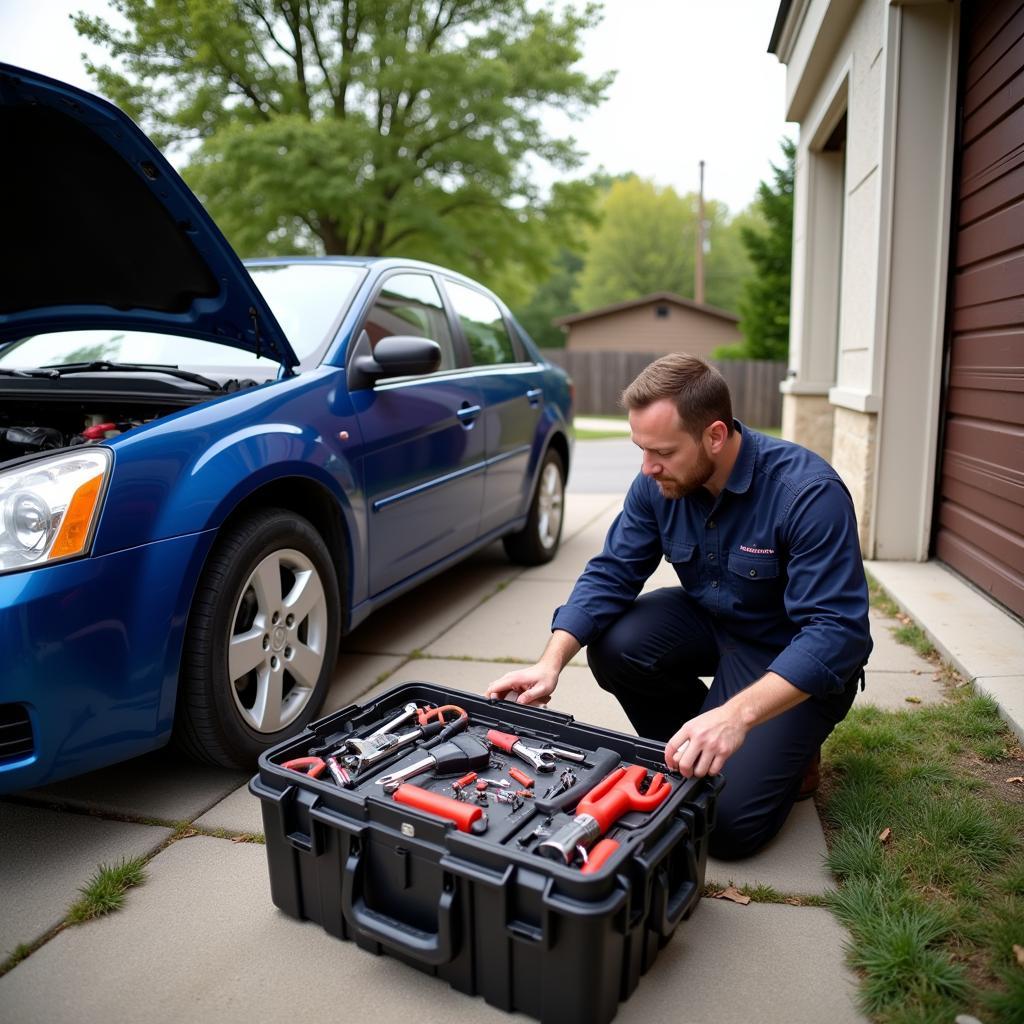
661, 312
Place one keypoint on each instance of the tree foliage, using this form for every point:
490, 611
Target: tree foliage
764, 304
551, 299
646, 242
362, 126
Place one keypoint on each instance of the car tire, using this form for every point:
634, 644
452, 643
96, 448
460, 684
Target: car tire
537, 542
253, 672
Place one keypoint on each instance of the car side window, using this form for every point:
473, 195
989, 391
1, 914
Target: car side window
410, 304
483, 325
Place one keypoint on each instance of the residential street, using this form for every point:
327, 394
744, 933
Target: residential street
201, 937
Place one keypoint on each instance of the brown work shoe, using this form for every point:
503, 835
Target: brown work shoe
812, 776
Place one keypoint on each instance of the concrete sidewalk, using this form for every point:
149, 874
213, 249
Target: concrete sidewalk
201, 937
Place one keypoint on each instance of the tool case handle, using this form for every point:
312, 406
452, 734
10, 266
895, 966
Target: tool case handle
434, 948
669, 908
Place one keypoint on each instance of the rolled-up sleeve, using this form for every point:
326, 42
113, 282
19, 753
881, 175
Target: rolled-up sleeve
826, 593
612, 579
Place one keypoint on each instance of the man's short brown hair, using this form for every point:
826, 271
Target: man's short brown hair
699, 391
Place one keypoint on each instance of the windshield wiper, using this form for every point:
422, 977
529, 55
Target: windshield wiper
8, 372
103, 367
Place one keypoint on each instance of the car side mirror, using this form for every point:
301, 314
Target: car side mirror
401, 355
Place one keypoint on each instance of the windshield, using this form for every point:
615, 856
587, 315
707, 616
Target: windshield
306, 298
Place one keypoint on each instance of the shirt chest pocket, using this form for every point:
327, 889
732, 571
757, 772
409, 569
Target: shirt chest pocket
756, 579
683, 558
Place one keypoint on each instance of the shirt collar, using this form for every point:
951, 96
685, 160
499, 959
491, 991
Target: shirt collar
743, 469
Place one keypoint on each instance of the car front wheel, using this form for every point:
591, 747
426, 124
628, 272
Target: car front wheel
261, 642
538, 540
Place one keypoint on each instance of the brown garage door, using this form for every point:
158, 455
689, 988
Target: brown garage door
981, 508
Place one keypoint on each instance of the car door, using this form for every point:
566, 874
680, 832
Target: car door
423, 442
510, 386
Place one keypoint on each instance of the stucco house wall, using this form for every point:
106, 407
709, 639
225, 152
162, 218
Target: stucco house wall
873, 86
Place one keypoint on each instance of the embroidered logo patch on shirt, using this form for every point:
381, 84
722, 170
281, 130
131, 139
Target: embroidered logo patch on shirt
757, 551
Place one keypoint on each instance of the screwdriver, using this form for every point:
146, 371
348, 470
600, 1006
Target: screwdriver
456, 757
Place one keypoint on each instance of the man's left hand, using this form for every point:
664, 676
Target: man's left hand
706, 742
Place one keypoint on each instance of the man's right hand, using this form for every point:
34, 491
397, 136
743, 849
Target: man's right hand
533, 685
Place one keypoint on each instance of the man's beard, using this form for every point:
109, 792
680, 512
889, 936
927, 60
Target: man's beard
674, 489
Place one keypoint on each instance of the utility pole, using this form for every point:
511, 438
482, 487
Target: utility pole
698, 267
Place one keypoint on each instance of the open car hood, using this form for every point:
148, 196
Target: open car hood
101, 232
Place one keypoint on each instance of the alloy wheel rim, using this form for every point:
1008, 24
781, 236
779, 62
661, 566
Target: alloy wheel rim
549, 506
278, 641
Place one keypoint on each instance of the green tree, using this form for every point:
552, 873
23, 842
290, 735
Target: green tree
764, 304
552, 299
646, 243
362, 126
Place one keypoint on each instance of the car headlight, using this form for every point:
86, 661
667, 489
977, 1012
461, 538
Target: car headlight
49, 507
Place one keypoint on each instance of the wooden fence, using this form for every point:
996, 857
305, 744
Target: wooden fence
600, 377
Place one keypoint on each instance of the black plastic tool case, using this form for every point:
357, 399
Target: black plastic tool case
490, 916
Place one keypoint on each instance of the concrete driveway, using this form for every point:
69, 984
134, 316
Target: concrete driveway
201, 938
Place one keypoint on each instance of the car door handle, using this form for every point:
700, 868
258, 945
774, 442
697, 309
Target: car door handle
534, 396
468, 414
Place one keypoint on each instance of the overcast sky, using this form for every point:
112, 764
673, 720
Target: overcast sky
695, 82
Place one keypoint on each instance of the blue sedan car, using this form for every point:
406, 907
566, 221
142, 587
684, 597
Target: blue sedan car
210, 472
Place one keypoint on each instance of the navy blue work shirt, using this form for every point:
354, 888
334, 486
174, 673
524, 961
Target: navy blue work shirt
774, 559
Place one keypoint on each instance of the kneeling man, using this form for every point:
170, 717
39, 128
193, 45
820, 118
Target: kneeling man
773, 602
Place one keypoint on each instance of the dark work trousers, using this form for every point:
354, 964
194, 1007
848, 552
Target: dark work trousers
651, 660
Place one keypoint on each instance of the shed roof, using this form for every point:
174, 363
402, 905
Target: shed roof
618, 307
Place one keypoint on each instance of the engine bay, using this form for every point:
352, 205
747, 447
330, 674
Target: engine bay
28, 427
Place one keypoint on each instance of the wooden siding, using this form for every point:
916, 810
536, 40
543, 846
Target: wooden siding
980, 522
642, 330
600, 377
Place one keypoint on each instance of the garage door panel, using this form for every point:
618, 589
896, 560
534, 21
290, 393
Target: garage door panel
995, 578
985, 475
989, 192
996, 66
996, 235
980, 507
995, 280
976, 402
998, 142
992, 538
1002, 511
987, 315
993, 23
987, 352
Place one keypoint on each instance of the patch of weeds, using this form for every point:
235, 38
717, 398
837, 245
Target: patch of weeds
914, 636
929, 853
105, 892
880, 600
17, 954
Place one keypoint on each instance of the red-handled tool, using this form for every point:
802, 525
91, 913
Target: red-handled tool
598, 855
540, 760
611, 798
314, 767
521, 777
466, 817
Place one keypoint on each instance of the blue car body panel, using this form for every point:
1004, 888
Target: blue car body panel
93, 652
417, 471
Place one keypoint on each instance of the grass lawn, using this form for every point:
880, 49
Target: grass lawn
924, 817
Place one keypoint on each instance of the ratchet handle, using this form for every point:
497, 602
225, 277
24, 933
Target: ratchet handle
502, 740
